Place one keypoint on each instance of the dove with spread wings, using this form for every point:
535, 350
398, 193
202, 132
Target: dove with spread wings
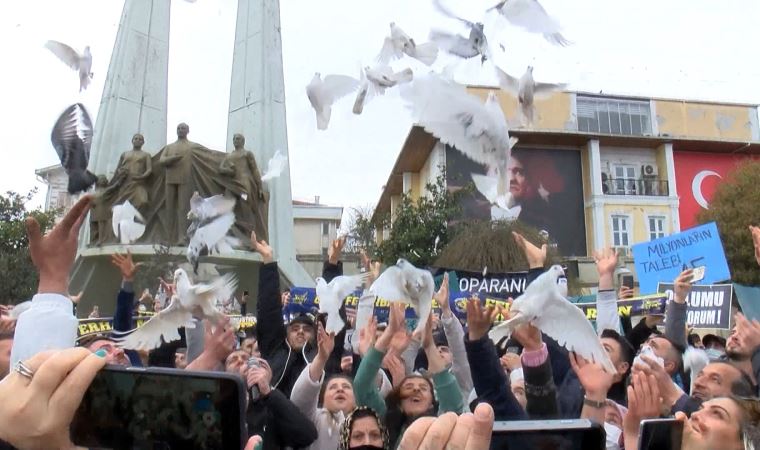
210, 221
188, 300
408, 284
81, 63
331, 296
399, 44
532, 17
72, 138
323, 93
544, 306
527, 90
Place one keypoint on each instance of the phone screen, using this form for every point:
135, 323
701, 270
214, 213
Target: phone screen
660, 434
577, 434
161, 409
627, 281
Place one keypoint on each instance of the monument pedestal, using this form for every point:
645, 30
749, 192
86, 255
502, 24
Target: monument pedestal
100, 280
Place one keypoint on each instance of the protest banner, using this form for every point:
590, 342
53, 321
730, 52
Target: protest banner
709, 306
661, 260
636, 306
105, 324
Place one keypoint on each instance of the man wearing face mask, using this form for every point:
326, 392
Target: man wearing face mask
715, 347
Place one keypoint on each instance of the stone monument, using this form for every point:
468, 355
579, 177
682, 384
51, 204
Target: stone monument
134, 101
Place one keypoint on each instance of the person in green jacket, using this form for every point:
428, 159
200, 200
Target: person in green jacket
416, 395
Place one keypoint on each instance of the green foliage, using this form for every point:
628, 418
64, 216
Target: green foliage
734, 208
361, 234
481, 244
416, 225
19, 274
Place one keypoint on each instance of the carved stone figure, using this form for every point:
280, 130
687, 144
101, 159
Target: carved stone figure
100, 214
132, 173
177, 161
252, 206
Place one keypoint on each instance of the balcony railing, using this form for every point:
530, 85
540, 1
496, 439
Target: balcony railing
635, 186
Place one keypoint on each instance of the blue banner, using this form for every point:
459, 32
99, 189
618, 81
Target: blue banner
661, 260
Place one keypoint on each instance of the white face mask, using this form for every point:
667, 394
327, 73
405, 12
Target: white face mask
646, 350
613, 436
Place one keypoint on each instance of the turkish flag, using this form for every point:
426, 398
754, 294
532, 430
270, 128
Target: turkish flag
697, 177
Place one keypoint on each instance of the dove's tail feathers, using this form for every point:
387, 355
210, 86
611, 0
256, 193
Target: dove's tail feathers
20, 308
334, 323
225, 246
84, 81
405, 76
426, 53
557, 39
129, 232
81, 181
323, 117
361, 97
500, 332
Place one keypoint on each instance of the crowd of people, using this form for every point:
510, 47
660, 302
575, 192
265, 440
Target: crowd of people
383, 387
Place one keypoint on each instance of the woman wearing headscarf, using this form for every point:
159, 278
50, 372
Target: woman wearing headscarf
363, 430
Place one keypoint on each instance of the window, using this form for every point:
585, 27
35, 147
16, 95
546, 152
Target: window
625, 179
613, 116
656, 227
621, 234
325, 228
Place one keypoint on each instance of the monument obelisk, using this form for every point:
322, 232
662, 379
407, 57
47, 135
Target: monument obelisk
257, 110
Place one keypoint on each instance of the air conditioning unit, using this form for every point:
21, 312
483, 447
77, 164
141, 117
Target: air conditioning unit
649, 180
648, 171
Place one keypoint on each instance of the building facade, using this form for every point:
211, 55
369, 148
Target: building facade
599, 170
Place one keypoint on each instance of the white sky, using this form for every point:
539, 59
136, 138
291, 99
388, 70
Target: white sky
696, 49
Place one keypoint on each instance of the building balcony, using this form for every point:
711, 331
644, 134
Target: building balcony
635, 186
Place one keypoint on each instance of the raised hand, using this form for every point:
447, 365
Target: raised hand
643, 403
262, 248
442, 297
325, 342
478, 319
747, 333
396, 323
536, 256
625, 292
367, 336
53, 254
528, 336
756, 241
335, 249
594, 379
125, 264
682, 286
606, 262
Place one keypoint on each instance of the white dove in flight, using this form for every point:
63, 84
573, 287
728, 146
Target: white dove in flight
125, 227
189, 299
81, 63
72, 137
323, 93
543, 306
464, 47
399, 43
408, 284
331, 296
531, 16
375, 80
527, 90
210, 221
275, 166
478, 130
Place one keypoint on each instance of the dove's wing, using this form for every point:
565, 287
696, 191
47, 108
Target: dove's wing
364, 310
214, 230
448, 13
454, 44
457, 118
72, 130
507, 82
345, 285
567, 324
424, 300
162, 325
486, 185
390, 286
124, 224
338, 86
68, 55
547, 88
221, 288
389, 51
216, 205
276, 164
530, 15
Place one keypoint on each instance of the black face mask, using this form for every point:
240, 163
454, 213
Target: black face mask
366, 447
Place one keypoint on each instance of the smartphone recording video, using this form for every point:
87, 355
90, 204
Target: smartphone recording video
660, 434
156, 408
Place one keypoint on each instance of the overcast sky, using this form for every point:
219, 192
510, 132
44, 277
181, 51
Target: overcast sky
694, 49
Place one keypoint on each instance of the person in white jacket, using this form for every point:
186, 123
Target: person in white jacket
335, 395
